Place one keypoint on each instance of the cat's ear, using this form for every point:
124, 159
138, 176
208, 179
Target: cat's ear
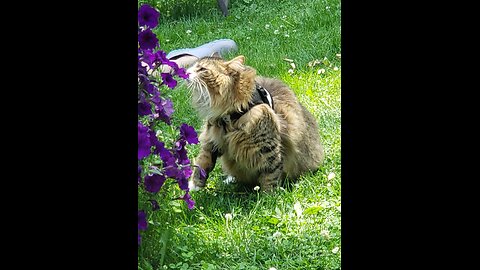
237, 63
215, 54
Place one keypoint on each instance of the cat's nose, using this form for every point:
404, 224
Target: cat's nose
191, 74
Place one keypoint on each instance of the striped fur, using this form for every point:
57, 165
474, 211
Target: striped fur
263, 146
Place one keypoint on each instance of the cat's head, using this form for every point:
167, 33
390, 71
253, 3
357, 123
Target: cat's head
220, 86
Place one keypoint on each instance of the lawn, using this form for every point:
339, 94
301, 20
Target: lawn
231, 228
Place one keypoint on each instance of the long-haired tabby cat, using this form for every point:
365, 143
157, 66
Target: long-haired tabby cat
255, 125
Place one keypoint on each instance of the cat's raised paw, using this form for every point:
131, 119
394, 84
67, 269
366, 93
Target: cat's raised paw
193, 187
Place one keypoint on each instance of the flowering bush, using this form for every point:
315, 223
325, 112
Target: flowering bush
156, 162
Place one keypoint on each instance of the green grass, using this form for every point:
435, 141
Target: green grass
294, 228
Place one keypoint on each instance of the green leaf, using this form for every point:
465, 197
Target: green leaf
273, 220
312, 210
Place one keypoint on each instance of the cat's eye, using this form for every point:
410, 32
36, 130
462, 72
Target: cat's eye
201, 69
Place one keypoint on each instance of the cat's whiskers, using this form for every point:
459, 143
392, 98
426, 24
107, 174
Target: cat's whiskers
200, 96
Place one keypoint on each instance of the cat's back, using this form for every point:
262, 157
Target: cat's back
278, 89
299, 127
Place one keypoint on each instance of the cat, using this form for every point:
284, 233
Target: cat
254, 124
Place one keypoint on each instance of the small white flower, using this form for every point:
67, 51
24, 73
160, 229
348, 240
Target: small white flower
282, 26
284, 17
290, 71
298, 209
325, 233
167, 40
329, 185
321, 71
327, 7
267, 26
276, 32
338, 55
331, 176
228, 216
335, 68
277, 234
293, 65
335, 249
189, 31
272, 268
256, 188
287, 35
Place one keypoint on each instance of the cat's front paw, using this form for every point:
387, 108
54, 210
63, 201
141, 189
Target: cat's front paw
193, 187
197, 180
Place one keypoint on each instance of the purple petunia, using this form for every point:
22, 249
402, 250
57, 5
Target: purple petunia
144, 108
188, 199
181, 72
189, 133
154, 182
182, 157
165, 155
164, 109
151, 89
144, 143
142, 220
168, 80
171, 171
147, 39
182, 177
148, 16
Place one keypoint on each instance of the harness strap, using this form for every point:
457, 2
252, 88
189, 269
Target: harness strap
260, 96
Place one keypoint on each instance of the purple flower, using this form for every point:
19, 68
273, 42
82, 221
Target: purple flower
187, 172
141, 69
142, 220
171, 170
164, 109
144, 143
169, 80
188, 133
155, 205
154, 182
182, 157
147, 39
151, 89
148, 16
188, 199
161, 57
162, 151
144, 108
149, 58
153, 138
181, 72
182, 177
167, 107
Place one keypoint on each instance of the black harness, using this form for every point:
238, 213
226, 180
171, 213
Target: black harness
260, 96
